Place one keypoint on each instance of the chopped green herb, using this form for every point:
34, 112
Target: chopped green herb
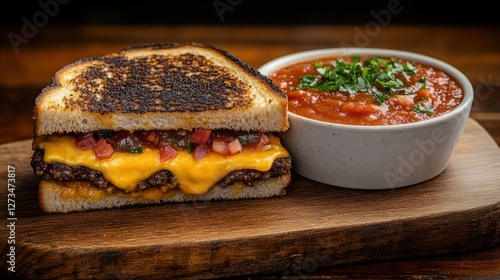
424, 109
242, 141
378, 76
189, 146
422, 81
135, 149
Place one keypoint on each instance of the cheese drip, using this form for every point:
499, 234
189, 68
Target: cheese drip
126, 170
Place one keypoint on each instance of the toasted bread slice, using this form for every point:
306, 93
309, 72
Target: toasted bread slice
160, 87
64, 197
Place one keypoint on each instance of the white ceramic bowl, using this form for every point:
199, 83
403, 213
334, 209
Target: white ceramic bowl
373, 157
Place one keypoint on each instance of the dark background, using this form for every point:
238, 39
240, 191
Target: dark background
245, 12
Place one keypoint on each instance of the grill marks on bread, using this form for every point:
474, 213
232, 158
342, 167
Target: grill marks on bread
160, 87
181, 83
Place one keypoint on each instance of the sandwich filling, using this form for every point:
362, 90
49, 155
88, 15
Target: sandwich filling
190, 161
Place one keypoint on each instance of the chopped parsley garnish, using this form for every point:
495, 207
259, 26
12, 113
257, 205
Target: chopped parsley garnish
424, 109
135, 150
189, 146
242, 141
377, 76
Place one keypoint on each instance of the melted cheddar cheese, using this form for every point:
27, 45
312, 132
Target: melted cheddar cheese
126, 170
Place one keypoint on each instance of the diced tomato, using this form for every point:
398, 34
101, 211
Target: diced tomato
200, 136
263, 140
424, 94
152, 136
404, 101
292, 95
200, 151
359, 108
103, 150
219, 145
148, 138
167, 153
234, 147
85, 142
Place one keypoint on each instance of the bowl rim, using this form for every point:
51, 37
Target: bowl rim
460, 77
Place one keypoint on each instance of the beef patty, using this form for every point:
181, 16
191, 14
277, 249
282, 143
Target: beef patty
64, 173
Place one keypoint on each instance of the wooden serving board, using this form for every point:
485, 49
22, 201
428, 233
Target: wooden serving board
314, 225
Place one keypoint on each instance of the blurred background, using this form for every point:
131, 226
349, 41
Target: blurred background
256, 12
39, 37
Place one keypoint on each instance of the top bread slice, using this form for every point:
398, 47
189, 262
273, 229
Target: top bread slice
160, 87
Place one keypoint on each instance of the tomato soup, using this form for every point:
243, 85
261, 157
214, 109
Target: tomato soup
367, 90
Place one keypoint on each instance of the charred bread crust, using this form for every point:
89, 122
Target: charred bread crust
160, 86
252, 71
158, 83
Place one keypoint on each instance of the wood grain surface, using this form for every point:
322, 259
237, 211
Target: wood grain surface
314, 225
474, 49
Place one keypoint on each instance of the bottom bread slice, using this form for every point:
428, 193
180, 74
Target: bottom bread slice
64, 197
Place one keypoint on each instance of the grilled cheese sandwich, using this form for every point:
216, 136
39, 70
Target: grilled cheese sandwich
156, 124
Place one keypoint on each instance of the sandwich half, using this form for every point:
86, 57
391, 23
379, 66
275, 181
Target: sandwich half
155, 124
